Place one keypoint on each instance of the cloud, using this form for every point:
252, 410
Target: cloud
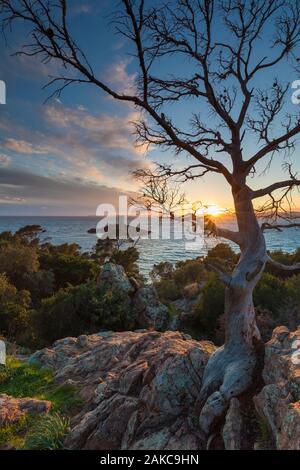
97, 147
28, 68
105, 130
117, 75
4, 159
19, 186
22, 146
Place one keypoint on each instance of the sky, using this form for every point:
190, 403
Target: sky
66, 156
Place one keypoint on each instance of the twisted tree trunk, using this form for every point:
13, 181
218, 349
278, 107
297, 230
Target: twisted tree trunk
230, 370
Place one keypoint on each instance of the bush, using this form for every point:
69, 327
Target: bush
188, 272
40, 285
167, 290
128, 259
223, 251
69, 269
82, 309
210, 308
270, 293
14, 309
16, 260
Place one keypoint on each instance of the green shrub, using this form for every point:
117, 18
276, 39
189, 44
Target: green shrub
128, 259
16, 260
69, 269
48, 433
40, 284
210, 308
270, 293
223, 251
167, 290
14, 309
188, 272
82, 309
293, 288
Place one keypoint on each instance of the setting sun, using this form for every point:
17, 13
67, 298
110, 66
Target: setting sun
214, 210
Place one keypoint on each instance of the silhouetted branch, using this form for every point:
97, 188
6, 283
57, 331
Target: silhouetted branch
278, 227
211, 229
283, 267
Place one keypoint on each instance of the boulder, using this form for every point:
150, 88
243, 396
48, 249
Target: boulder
112, 276
12, 409
148, 310
278, 403
140, 389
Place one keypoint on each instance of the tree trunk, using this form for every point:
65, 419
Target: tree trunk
231, 368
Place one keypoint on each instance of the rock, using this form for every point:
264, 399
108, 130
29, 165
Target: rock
112, 276
12, 409
232, 430
278, 403
289, 436
140, 389
149, 311
282, 360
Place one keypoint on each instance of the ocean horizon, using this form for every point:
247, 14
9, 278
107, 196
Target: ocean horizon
74, 229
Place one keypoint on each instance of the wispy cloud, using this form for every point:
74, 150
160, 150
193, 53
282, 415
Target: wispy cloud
118, 75
22, 146
105, 130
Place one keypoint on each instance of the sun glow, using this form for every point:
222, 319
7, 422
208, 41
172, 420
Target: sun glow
214, 210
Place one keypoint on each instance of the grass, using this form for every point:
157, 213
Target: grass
13, 434
20, 379
48, 433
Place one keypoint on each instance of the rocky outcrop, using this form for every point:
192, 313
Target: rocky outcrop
12, 409
140, 391
140, 388
145, 308
112, 276
278, 403
149, 311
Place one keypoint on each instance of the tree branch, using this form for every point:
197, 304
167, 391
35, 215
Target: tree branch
278, 227
211, 229
272, 146
273, 187
283, 267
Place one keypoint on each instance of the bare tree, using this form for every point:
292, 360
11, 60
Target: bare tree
156, 194
220, 61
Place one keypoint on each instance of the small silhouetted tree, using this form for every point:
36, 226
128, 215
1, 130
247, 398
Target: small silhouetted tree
219, 51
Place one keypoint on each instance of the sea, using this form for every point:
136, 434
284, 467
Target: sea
153, 248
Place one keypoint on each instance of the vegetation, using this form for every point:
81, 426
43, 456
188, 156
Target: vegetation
276, 296
48, 433
20, 379
49, 291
